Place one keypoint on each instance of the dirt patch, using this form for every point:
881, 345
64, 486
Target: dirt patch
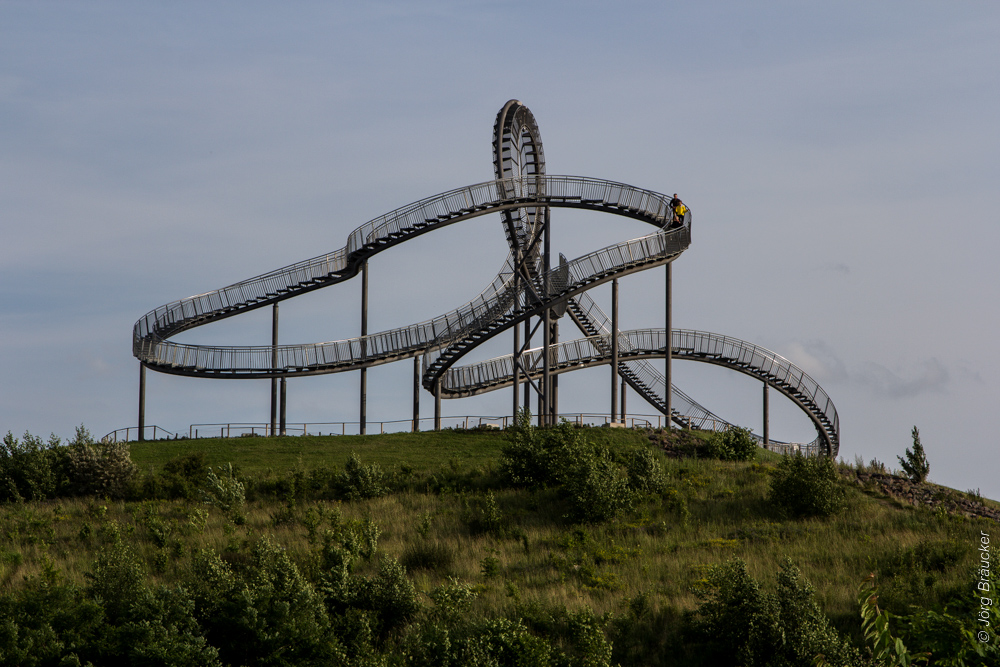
677, 443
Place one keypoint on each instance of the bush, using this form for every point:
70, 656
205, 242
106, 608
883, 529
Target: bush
733, 444
597, 490
31, 469
100, 468
263, 613
915, 464
361, 481
539, 458
806, 486
737, 622
389, 595
645, 474
183, 477
226, 492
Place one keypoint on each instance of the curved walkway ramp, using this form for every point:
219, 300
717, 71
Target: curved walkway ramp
496, 309
703, 346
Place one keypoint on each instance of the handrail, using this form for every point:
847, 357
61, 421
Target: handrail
153, 349
703, 346
116, 434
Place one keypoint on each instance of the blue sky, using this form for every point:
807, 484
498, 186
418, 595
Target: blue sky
841, 161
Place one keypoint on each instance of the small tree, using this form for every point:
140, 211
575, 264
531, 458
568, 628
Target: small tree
915, 464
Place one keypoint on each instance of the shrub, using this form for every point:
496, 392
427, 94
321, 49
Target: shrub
181, 477
807, 631
737, 622
264, 613
389, 595
486, 518
100, 468
361, 481
733, 444
806, 486
645, 474
597, 490
31, 469
535, 457
741, 443
226, 492
915, 464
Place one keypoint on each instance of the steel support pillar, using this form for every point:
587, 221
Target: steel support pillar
437, 405
624, 386
363, 400
516, 359
142, 401
545, 408
554, 380
274, 365
416, 393
668, 345
767, 417
284, 396
614, 350
527, 346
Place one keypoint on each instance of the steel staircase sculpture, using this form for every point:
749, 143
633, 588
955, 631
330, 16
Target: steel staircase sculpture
523, 195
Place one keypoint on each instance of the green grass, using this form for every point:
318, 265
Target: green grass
659, 552
422, 451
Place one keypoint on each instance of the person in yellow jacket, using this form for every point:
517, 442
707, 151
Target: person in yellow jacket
679, 211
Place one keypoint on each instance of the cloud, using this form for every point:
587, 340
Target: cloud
838, 267
818, 359
932, 377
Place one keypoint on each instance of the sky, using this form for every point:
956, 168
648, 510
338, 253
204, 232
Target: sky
841, 162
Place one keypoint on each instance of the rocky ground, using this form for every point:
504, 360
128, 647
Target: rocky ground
923, 493
679, 443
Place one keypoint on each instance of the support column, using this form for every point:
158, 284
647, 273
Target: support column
274, 365
614, 350
527, 346
416, 393
624, 385
142, 401
363, 407
554, 381
767, 417
516, 359
437, 405
668, 344
546, 406
284, 395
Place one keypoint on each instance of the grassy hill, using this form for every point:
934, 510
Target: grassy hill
476, 547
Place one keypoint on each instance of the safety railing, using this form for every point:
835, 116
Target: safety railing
697, 345
488, 311
450, 328
131, 433
410, 219
458, 422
